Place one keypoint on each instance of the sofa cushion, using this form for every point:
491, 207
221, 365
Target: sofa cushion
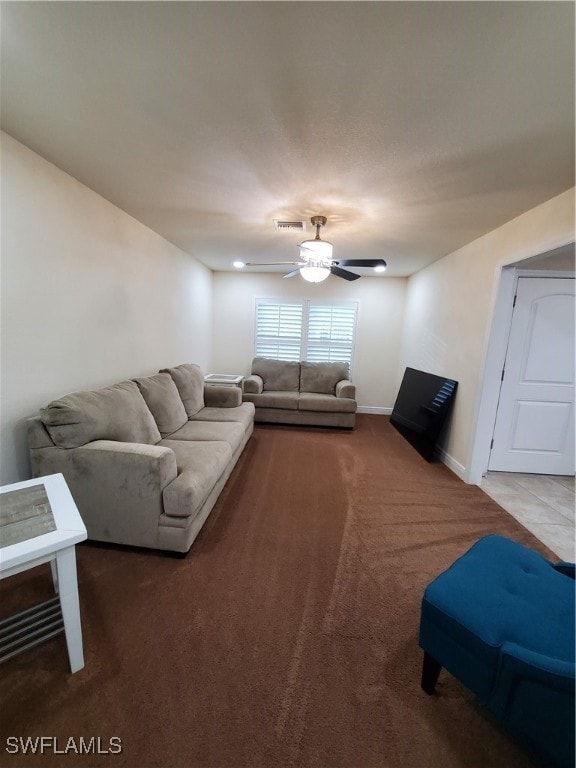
231, 432
164, 402
322, 377
118, 412
244, 414
274, 400
311, 401
189, 381
277, 374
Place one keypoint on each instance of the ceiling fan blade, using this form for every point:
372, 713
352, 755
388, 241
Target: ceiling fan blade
292, 274
361, 262
343, 273
273, 263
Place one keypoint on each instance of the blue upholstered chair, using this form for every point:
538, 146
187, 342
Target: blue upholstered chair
501, 620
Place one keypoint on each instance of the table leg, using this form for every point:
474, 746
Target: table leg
54, 570
68, 590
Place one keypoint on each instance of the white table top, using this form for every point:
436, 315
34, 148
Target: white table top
223, 378
69, 526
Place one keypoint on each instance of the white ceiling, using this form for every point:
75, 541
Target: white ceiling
414, 127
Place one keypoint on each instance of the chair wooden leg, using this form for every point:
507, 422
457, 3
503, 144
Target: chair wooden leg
430, 672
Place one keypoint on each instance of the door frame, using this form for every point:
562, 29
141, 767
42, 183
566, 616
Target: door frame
495, 355
515, 388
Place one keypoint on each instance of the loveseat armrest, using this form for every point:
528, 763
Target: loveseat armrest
253, 384
222, 397
345, 388
117, 486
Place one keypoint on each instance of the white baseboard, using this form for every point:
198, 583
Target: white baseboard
458, 469
455, 466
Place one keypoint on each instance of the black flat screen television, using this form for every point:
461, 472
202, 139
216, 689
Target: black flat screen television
423, 403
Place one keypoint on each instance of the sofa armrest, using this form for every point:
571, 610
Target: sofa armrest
37, 434
345, 388
253, 384
117, 486
222, 397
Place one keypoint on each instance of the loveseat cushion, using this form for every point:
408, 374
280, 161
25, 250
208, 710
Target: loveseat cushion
277, 399
189, 381
164, 402
322, 377
312, 401
118, 412
277, 374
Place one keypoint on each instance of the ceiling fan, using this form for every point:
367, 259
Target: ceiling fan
316, 261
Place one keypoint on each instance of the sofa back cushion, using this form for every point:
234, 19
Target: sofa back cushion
189, 381
277, 374
117, 412
322, 377
164, 402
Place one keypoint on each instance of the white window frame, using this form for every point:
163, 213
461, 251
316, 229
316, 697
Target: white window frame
275, 340
304, 342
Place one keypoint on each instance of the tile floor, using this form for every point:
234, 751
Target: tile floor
542, 503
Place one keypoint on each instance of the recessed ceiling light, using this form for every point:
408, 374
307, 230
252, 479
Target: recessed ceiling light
238, 264
379, 269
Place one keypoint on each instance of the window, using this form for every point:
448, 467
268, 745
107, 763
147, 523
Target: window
305, 330
278, 330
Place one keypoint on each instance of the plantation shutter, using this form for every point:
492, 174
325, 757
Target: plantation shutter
305, 330
278, 330
331, 330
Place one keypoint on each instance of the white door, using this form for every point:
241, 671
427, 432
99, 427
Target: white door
534, 429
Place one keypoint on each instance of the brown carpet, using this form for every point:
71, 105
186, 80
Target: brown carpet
288, 635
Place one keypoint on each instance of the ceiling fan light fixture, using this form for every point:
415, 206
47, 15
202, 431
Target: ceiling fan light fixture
316, 261
314, 274
316, 249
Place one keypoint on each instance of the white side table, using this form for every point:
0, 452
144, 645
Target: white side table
57, 546
224, 379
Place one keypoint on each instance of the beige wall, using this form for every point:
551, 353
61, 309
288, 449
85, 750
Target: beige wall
449, 308
380, 317
89, 296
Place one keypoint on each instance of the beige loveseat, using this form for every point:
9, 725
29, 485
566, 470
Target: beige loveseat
145, 459
318, 394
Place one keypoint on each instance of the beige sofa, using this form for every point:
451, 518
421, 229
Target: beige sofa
145, 459
318, 394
